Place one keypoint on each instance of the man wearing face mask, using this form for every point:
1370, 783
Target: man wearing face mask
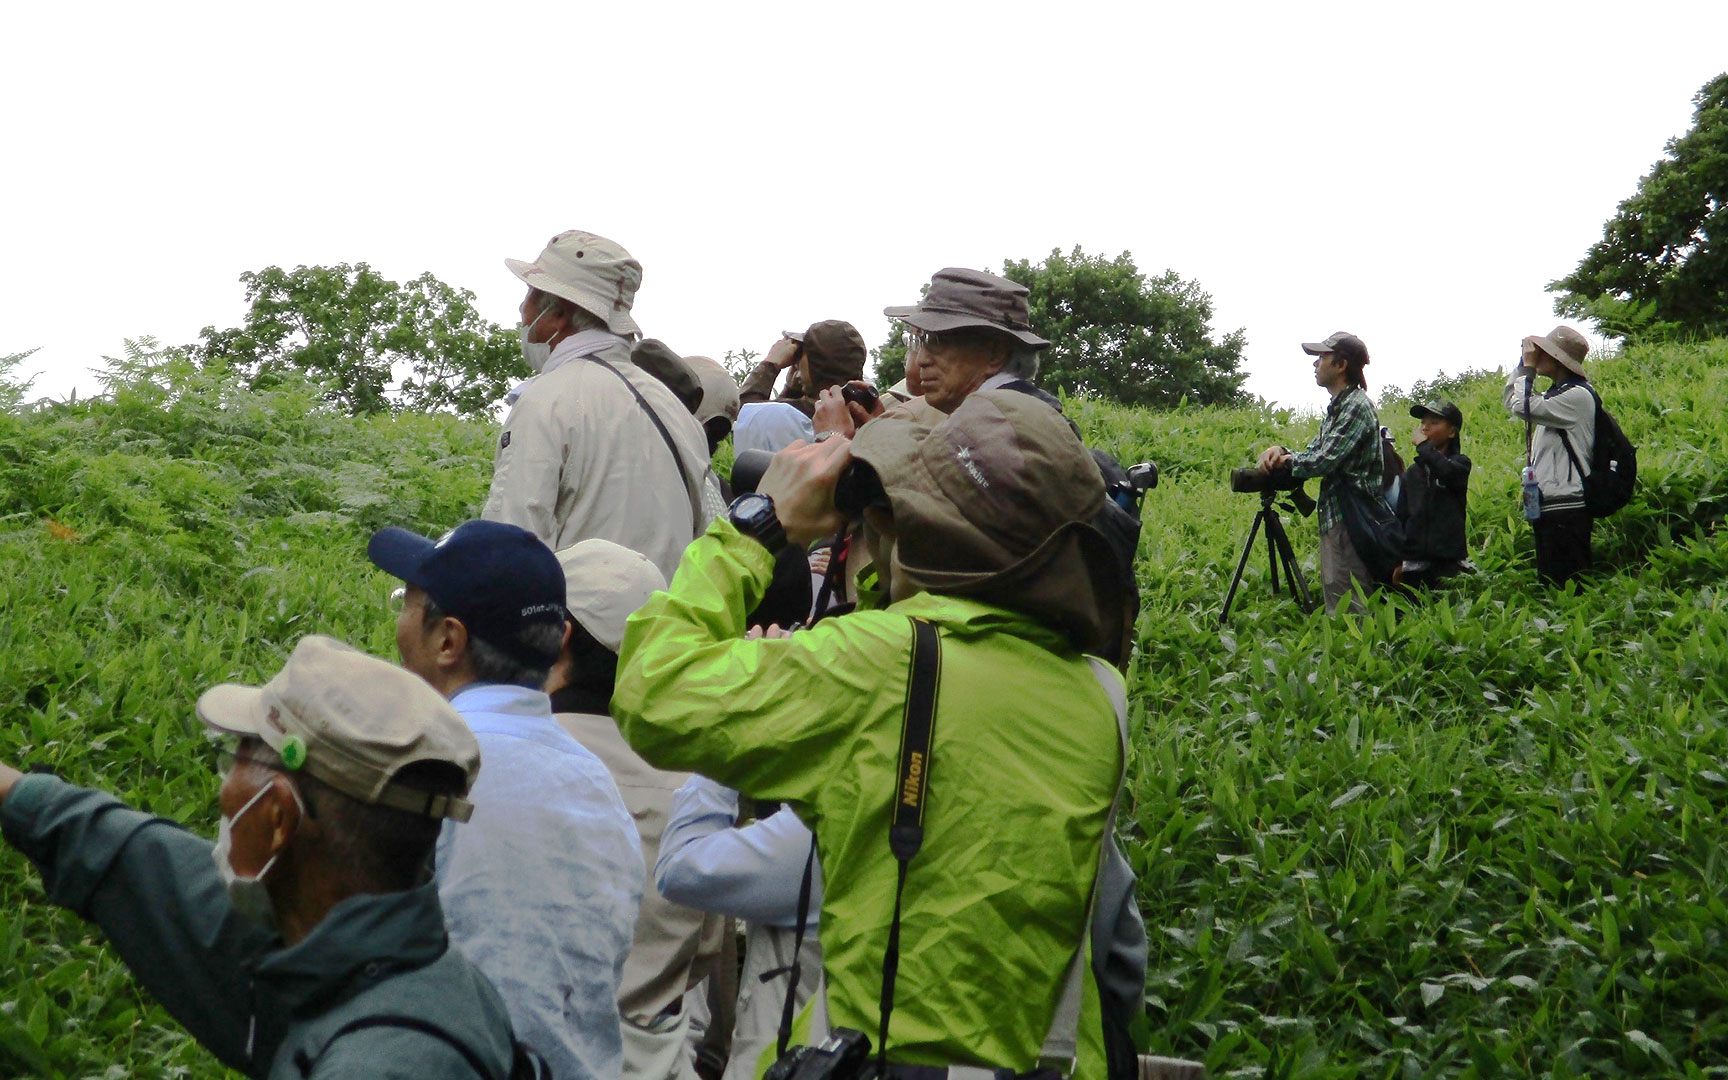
594, 446
308, 942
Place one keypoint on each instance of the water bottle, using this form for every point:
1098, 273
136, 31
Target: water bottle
1532, 495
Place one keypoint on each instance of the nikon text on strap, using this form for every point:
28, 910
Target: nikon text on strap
911, 784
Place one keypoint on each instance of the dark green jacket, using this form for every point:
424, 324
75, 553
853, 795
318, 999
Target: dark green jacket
260, 1007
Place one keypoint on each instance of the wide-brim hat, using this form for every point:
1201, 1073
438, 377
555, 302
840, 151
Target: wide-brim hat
720, 394
1565, 345
591, 272
996, 502
959, 298
354, 722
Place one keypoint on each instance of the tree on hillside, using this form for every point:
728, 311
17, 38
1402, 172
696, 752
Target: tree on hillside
890, 357
1661, 267
378, 344
1118, 334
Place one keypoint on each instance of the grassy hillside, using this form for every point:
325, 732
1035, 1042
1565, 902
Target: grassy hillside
1479, 836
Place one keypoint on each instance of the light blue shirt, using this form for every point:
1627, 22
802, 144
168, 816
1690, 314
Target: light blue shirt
770, 426
752, 873
541, 887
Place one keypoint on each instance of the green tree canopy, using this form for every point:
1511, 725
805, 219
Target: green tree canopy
377, 344
1115, 333
1661, 267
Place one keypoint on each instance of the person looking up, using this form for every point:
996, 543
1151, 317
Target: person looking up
541, 888
830, 353
594, 445
1559, 443
1431, 501
294, 946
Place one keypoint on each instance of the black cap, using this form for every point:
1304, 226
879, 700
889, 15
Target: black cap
496, 578
1440, 409
1347, 345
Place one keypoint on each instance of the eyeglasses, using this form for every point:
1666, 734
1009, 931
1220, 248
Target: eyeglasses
398, 599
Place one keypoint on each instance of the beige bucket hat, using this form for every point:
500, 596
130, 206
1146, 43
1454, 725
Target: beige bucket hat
591, 272
719, 389
354, 722
606, 583
1565, 345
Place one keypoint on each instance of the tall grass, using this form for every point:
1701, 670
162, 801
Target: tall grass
1479, 835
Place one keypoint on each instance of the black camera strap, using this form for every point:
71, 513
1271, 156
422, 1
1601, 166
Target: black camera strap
911, 783
797, 947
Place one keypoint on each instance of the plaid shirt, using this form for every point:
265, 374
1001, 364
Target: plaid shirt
1347, 451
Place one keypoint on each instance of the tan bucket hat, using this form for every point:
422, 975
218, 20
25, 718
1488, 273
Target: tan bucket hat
605, 583
1565, 345
591, 272
352, 721
995, 501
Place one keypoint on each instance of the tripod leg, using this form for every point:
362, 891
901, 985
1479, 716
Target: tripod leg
1241, 564
1279, 541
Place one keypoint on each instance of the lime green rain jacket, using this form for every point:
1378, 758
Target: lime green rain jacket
1023, 767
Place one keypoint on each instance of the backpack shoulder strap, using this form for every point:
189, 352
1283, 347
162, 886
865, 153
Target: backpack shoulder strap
677, 458
1061, 1049
306, 1063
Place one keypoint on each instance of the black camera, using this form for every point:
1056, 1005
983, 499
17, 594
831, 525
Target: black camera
843, 1055
1279, 479
861, 394
857, 487
1131, 487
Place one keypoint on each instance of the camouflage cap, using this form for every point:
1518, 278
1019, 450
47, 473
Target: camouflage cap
354, 722
591, 272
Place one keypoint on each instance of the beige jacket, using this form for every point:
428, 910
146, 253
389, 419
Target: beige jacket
579, 458
674, 945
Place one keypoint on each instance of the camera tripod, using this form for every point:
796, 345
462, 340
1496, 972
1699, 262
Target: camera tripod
1278, 553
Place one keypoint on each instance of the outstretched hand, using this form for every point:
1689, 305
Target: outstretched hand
801, 481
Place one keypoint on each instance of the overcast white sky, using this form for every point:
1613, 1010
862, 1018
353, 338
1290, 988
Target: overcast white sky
1412, 173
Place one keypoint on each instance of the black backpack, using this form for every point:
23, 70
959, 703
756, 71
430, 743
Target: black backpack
1613, 463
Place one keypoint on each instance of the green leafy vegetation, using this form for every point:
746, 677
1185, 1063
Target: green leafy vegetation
1481, 835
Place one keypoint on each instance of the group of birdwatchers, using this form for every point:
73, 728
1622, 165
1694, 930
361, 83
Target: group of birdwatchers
866, 719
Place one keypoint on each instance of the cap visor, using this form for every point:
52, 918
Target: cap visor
399, 553
1315, 348
1422, 412
793, 335
233, 707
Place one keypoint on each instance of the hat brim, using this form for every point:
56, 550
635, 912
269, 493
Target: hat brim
236, 709
617, 320
938, 322
1316, 348
400, 553
1561, 356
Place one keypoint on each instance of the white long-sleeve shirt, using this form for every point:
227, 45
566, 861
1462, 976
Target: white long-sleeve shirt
541, 887
750, 873
1568, 406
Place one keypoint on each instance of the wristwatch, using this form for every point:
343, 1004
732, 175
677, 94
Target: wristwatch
755, 517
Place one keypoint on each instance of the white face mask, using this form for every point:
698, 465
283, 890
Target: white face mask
536, 353
248, 894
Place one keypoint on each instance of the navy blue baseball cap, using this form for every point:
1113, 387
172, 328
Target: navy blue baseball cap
496, 578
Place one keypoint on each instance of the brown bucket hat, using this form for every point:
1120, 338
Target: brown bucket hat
1565, 345
994, 502
959, 298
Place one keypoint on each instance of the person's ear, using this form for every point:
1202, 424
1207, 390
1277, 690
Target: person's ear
283, 810
451, 645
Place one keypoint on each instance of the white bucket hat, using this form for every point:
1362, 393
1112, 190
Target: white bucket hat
591, 272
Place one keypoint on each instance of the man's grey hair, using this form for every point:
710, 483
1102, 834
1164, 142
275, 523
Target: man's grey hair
492, 664
579, 318
1023, 363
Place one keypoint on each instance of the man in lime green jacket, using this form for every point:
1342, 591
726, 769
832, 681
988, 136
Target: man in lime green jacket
979, 525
